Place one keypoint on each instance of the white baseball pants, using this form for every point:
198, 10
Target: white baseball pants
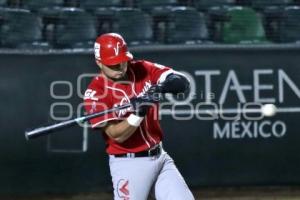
135, 178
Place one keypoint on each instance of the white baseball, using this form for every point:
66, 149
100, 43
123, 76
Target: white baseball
268, 110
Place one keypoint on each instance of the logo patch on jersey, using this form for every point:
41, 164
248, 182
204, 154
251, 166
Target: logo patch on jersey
90, 94
145, 88
122, 112
122, 189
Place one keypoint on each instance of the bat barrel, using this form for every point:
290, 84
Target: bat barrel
36, 133
55, 127
49, 129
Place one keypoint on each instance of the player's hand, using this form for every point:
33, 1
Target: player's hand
143, 103
155, 90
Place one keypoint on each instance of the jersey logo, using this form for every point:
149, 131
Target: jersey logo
122, 112
123, 191
145, 88
117, 49
90, 94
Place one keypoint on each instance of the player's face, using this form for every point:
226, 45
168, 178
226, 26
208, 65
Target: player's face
115, 72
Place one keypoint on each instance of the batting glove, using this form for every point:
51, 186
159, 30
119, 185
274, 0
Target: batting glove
143, 103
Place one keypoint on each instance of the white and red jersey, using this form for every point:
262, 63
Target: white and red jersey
103, 94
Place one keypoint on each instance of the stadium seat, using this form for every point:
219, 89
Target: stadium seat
239, 25
185, 25
262, 4
11, 3
3, 3
158, 9
206, 4
46, 9
94, 4
134, 25
74, 29
289, 25
36, 5
20, 29
105, 18
149, 5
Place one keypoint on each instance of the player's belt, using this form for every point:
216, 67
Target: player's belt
148, 153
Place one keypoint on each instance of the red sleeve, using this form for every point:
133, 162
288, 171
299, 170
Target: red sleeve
96, 100
157, 72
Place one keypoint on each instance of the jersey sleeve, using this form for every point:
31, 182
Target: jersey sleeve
158, 72
96, 100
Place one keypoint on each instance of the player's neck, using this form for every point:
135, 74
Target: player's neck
123, 79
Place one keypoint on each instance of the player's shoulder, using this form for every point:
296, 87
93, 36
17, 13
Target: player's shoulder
138, 64
96, 90
97, 83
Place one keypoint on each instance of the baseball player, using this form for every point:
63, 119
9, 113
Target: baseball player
138, 163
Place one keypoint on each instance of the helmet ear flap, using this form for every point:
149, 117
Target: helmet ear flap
111, 49
99, 64
97, 50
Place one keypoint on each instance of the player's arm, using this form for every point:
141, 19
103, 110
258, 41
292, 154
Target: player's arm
173, 83
119, 131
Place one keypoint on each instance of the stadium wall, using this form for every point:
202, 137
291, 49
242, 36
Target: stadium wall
209, 148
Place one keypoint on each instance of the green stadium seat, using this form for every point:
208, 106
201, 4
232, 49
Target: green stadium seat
239, 25
186, 25
20, 29
134, 24
206, 4
289, 25
74, 29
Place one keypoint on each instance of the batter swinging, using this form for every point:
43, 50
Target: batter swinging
138, 163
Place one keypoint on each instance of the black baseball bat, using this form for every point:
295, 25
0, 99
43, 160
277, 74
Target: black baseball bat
51, 128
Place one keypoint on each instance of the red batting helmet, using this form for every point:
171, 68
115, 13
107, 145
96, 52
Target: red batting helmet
111, 49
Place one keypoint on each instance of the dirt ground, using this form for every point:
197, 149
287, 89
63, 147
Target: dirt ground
230, 193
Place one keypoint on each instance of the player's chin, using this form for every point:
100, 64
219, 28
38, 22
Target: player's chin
118, 76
